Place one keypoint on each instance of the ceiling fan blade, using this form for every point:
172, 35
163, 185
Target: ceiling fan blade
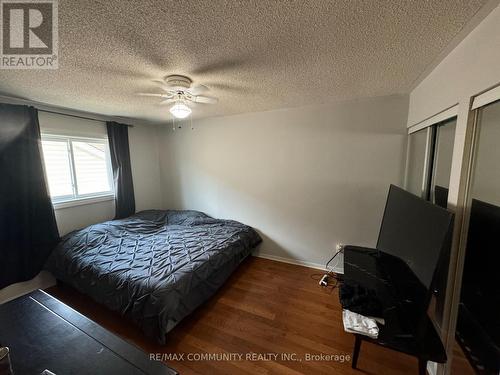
236, 88
164, 86
198, 89
205, 99
221, 66
150, 94
167, 101
116, 71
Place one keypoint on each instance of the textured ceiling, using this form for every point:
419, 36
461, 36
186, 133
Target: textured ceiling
254, 55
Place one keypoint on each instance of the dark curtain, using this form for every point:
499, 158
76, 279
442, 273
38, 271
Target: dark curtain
122, 172
28, 228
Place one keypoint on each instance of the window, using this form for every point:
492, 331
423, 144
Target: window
77, 168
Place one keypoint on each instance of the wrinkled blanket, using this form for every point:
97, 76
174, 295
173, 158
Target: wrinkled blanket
154, 267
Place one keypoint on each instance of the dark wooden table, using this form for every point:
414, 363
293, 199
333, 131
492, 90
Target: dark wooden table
43, 333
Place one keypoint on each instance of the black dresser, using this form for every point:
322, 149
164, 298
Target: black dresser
43, 333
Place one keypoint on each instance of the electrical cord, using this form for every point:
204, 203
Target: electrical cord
329, 285
330, 274
340, 250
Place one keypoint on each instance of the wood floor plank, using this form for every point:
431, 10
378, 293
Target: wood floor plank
265, 307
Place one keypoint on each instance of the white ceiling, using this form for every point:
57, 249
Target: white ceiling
254, 55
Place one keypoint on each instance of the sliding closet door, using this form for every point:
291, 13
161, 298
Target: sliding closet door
416, 167
441, 164
486, 176
440, 182
478, 328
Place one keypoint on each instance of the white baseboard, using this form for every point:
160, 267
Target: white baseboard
43, 280
298, 262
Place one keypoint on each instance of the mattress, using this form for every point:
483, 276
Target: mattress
154, 267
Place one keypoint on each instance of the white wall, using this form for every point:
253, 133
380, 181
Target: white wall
145, 160
472, 67
305, 178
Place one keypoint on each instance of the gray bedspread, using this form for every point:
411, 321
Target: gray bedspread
154, 267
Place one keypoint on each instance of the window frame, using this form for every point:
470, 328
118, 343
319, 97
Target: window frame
77, 199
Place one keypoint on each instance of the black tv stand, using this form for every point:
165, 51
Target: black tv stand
402, 301
395, 281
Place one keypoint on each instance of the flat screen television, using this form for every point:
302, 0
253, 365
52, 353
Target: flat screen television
414, 230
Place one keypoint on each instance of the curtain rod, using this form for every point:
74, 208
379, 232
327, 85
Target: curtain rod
76, 116
42, 107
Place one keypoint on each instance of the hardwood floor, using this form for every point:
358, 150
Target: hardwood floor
460, 364
265, 307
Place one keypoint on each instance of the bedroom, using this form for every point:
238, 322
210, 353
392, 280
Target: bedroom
182, 239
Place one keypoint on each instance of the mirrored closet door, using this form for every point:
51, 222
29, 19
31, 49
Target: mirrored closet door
430, 153
416, 162
478, 324
441, 164
438, 194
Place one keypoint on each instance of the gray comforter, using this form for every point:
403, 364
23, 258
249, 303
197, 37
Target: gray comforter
155, 267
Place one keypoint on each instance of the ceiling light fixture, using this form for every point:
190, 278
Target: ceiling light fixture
180, 110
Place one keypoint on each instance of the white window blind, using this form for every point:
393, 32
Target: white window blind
57, 166
77, 168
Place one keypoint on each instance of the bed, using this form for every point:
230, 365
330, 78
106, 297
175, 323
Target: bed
154, 267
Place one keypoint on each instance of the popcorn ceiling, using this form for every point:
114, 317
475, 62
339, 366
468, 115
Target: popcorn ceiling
255, 55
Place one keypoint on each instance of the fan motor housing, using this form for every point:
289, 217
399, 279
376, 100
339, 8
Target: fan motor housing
178, 81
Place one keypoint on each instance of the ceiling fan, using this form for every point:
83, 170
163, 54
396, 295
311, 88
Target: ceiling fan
180, 91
